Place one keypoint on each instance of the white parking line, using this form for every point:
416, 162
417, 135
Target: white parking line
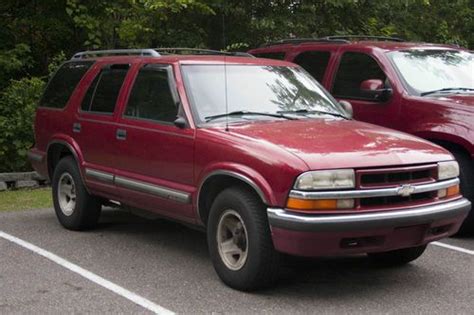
149, 305
456, 248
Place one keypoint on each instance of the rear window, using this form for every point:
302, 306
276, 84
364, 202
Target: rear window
102, 94
271, 55
63, 83
315, 62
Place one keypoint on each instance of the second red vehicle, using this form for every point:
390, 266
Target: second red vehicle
424, 89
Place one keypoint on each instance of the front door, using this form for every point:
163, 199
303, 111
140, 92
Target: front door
155, 164
354, 68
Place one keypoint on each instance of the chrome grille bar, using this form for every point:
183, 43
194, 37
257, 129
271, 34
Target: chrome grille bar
368, 193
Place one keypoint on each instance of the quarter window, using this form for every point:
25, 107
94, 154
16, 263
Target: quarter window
64, 82
151, 96
315, 62
353, 70
102, 94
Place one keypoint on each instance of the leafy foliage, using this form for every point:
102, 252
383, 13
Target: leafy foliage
17, 107
37, 35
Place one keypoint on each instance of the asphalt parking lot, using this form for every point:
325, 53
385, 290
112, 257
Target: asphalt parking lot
132, 265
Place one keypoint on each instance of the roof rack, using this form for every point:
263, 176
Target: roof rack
198, 51
154, 52
116, 52
379, 38
341, 39
304, 40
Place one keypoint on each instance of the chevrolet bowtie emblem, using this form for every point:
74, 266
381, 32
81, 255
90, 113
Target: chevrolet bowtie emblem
406, 190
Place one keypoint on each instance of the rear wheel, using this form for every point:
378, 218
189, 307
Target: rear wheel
397, 257
466, 168
75, 208
239, 241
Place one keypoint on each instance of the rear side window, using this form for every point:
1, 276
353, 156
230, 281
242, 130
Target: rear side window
64, 82
271, 55
151, 97
353, 70
315, 62
102, 94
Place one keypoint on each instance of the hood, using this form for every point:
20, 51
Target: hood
325, 144
465, 101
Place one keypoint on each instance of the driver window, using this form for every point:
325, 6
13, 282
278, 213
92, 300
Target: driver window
151, 97
354, 69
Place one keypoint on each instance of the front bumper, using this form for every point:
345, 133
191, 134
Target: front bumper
319, 235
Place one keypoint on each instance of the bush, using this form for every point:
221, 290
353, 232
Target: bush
18, 102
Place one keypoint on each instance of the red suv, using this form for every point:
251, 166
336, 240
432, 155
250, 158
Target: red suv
424, 89
255, 151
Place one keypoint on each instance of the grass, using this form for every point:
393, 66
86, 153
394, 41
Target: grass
13, 200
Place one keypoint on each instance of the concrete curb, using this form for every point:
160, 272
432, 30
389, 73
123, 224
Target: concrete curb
21, 180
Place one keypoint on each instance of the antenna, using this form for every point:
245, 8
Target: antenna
224, 5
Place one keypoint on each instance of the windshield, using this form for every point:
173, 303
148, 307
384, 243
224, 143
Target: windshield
426, 71
255, 93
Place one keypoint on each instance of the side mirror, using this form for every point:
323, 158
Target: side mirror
348, 108
375, 88
371, 85
180, 122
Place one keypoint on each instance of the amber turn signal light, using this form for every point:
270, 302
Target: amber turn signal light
449, 192
319, 204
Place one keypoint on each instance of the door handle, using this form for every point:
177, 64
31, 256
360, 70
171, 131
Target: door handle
76, 127
121, 134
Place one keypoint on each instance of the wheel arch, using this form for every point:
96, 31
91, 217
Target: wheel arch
218, 180
448, 141
56, 150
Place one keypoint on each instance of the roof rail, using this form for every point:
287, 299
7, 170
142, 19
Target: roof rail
341, 39
380, 38
116, 52
198, 51
304, 40
155, 52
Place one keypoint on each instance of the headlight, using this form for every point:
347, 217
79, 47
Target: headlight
329, 179
448, 170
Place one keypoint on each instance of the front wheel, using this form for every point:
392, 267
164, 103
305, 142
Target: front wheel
239, 241
397, 257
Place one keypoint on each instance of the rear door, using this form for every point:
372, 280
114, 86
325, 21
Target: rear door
155, 163
95, 126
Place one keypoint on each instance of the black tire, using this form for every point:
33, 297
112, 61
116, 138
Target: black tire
466, 168
397, 257
261, 266
86, 210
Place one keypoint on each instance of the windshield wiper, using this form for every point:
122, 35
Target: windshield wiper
244, 112
305, 112
446, 90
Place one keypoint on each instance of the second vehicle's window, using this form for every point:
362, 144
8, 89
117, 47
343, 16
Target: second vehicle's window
102, 94
353, 70
151, 97
271, 55
315, 62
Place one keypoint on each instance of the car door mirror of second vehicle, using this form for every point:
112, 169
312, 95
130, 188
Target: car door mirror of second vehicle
347, 108
376, 89
180, 122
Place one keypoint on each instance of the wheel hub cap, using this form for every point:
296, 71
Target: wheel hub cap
232, 240
67, 194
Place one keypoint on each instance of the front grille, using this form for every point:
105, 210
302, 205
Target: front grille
391, 177
395, 177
